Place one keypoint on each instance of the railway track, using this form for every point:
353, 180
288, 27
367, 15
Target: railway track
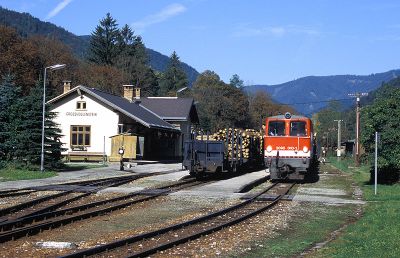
53, 201
15, 192
44, 220
152, 242
29, 190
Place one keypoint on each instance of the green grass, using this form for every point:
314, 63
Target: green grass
12, 174
303, 232
376, 234
343, 164
310, 222
359, 174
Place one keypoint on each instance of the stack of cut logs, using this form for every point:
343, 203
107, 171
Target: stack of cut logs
239, 143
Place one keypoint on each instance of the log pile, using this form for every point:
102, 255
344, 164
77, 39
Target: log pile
239, 143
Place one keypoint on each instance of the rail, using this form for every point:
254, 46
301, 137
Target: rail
193, 235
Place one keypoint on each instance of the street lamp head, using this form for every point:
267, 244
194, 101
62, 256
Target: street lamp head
56, 67
181, 89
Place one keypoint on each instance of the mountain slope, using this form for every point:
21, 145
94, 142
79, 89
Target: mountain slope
315, 91
27, 25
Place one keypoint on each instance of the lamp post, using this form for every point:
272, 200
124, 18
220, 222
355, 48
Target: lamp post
51, 68
180, 90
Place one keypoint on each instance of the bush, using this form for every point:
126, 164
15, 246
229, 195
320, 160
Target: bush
2, 164
383, 116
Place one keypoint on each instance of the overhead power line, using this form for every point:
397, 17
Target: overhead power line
314, 102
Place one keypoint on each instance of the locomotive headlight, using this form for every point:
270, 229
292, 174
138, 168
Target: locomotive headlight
269, 148
305, 149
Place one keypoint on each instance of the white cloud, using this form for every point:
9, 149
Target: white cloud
58, 9
163, 15
245, 30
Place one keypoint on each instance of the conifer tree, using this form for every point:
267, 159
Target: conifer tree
134, 61
9, 95
174, 78
125, 45
236, 82
26, 133
125, 51
142, 74
103, 44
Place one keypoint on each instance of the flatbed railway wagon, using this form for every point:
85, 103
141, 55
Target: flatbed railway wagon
289, 147
229, 150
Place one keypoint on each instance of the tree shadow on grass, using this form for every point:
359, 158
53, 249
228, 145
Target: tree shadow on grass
78, 167
386, 176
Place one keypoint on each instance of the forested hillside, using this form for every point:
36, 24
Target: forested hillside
312, 90
380, 112
27, 25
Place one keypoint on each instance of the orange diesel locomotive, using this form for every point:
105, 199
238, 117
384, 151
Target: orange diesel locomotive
289, 147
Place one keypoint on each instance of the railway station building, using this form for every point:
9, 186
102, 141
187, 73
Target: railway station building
96, 125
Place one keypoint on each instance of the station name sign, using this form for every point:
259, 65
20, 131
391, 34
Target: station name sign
81, 114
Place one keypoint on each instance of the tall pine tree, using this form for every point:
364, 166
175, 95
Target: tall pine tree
125, 51
174, 78
103, 44
133, 60
236, 82
142, 75
9, 95
25, 132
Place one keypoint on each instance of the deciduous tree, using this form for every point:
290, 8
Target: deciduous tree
219, 105
383, 116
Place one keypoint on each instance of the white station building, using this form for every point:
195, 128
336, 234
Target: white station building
90, 119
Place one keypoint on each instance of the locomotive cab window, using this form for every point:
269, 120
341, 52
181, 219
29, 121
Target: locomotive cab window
276, 128
298, 128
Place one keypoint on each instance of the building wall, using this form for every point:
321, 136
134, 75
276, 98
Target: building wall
185, 128
103, 121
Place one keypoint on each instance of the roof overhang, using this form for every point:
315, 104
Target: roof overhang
123, 111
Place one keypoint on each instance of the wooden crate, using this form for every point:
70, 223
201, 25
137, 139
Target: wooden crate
128, 142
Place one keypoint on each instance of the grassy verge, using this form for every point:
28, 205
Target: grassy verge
376, 233
310, 222
12, 174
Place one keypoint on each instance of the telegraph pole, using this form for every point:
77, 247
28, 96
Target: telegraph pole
338, 153
357, 95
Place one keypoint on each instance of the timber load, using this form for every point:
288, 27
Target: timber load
228, 149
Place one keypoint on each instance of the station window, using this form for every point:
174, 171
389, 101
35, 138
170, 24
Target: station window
80, 135
81, 105
276, 128
298, 128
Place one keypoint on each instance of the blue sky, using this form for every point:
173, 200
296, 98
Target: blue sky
263, 41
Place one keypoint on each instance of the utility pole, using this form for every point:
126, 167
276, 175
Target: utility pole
357, 95
338, 153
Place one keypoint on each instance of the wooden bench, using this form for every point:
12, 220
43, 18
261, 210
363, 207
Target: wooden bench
85, 156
